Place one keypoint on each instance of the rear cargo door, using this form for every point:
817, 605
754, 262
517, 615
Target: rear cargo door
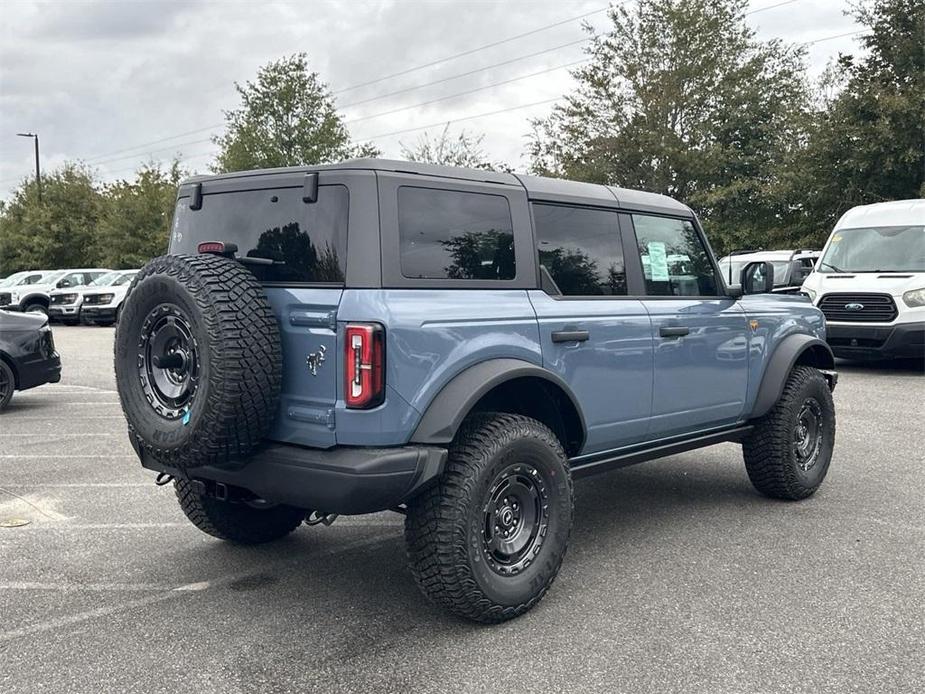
297, 249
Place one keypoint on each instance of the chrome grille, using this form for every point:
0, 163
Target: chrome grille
858, 308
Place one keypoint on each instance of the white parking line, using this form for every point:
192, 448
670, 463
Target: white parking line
92, 587
67, 456
80, 485
70, 418
63, 437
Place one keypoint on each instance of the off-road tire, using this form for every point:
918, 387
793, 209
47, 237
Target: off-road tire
238, 357
237, 521
444, 524
7, 384
770, 459
35, 307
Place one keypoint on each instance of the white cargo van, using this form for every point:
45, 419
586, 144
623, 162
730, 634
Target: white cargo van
870, 282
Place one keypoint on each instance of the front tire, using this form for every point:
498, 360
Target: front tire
788, 453
487, 541
237, 522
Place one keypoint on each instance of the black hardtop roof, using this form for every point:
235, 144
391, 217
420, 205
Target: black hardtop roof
537, 187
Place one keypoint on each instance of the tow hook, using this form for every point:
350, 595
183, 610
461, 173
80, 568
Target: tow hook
319, 518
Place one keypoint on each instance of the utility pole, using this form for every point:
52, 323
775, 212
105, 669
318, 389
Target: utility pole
38, 170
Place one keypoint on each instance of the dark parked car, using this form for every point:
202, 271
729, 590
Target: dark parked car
27, 354
457, 346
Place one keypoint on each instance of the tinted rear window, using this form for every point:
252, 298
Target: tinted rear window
305, 242
449, 234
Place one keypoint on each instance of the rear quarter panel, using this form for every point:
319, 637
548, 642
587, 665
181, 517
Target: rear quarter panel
431, 336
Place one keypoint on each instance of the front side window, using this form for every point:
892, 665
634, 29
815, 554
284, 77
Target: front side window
674, 259
449, 234
581, 249
287, 239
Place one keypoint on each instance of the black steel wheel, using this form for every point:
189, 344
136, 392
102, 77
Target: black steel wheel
7, 384
487, 541
515, 519
168, 361
788, 453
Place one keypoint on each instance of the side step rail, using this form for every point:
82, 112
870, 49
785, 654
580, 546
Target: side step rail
586, 466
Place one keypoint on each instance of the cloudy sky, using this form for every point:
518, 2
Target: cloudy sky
118, 83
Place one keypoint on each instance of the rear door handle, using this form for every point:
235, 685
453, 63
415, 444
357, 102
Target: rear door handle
570, 335
666, 331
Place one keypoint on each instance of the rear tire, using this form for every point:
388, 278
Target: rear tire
35, 308
237, 521
488, 539
788, 453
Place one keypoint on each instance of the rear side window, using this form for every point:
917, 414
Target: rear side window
449, 234
674, 259
290, 240
581, 249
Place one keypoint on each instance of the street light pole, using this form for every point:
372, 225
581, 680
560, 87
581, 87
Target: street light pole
38, 170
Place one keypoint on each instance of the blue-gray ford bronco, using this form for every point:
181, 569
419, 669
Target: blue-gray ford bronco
456, 346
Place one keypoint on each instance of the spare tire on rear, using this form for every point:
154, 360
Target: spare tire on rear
198, 361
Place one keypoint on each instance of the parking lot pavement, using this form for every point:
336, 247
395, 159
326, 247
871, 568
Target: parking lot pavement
679, 576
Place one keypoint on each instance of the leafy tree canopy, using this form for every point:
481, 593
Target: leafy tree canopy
287, 117
58, 233
464, 149
135, 225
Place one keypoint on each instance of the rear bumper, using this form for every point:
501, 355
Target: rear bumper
876, 341
37, 371
343, 480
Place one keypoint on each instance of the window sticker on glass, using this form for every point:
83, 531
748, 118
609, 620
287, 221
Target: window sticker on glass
658, 261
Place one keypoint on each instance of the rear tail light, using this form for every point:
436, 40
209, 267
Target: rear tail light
364, 365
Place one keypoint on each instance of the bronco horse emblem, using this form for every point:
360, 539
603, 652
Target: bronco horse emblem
315, 359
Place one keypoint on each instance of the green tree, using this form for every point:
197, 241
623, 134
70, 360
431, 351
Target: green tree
680, 98
135, 225
58, 233
463, 149
867, 142
287, 117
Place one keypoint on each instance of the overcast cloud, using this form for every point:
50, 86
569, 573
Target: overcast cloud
95, 78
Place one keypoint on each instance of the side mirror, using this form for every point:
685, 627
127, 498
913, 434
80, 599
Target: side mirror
757, 278
798, 273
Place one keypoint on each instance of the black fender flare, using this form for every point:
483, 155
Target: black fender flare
781, 363
446, 411
26, 299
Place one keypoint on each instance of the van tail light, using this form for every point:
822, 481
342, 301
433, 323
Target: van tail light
364, 365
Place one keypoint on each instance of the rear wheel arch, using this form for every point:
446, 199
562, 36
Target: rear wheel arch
504, 385
794, 350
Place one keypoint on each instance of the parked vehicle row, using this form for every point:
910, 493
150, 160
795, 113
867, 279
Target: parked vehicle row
791, 268
61, 294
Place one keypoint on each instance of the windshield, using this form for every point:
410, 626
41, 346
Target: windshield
124, 279
104, 280
12, 279
876, 249
781, 268
52, 277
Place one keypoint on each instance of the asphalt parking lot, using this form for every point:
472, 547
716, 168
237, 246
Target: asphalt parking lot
679, 577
